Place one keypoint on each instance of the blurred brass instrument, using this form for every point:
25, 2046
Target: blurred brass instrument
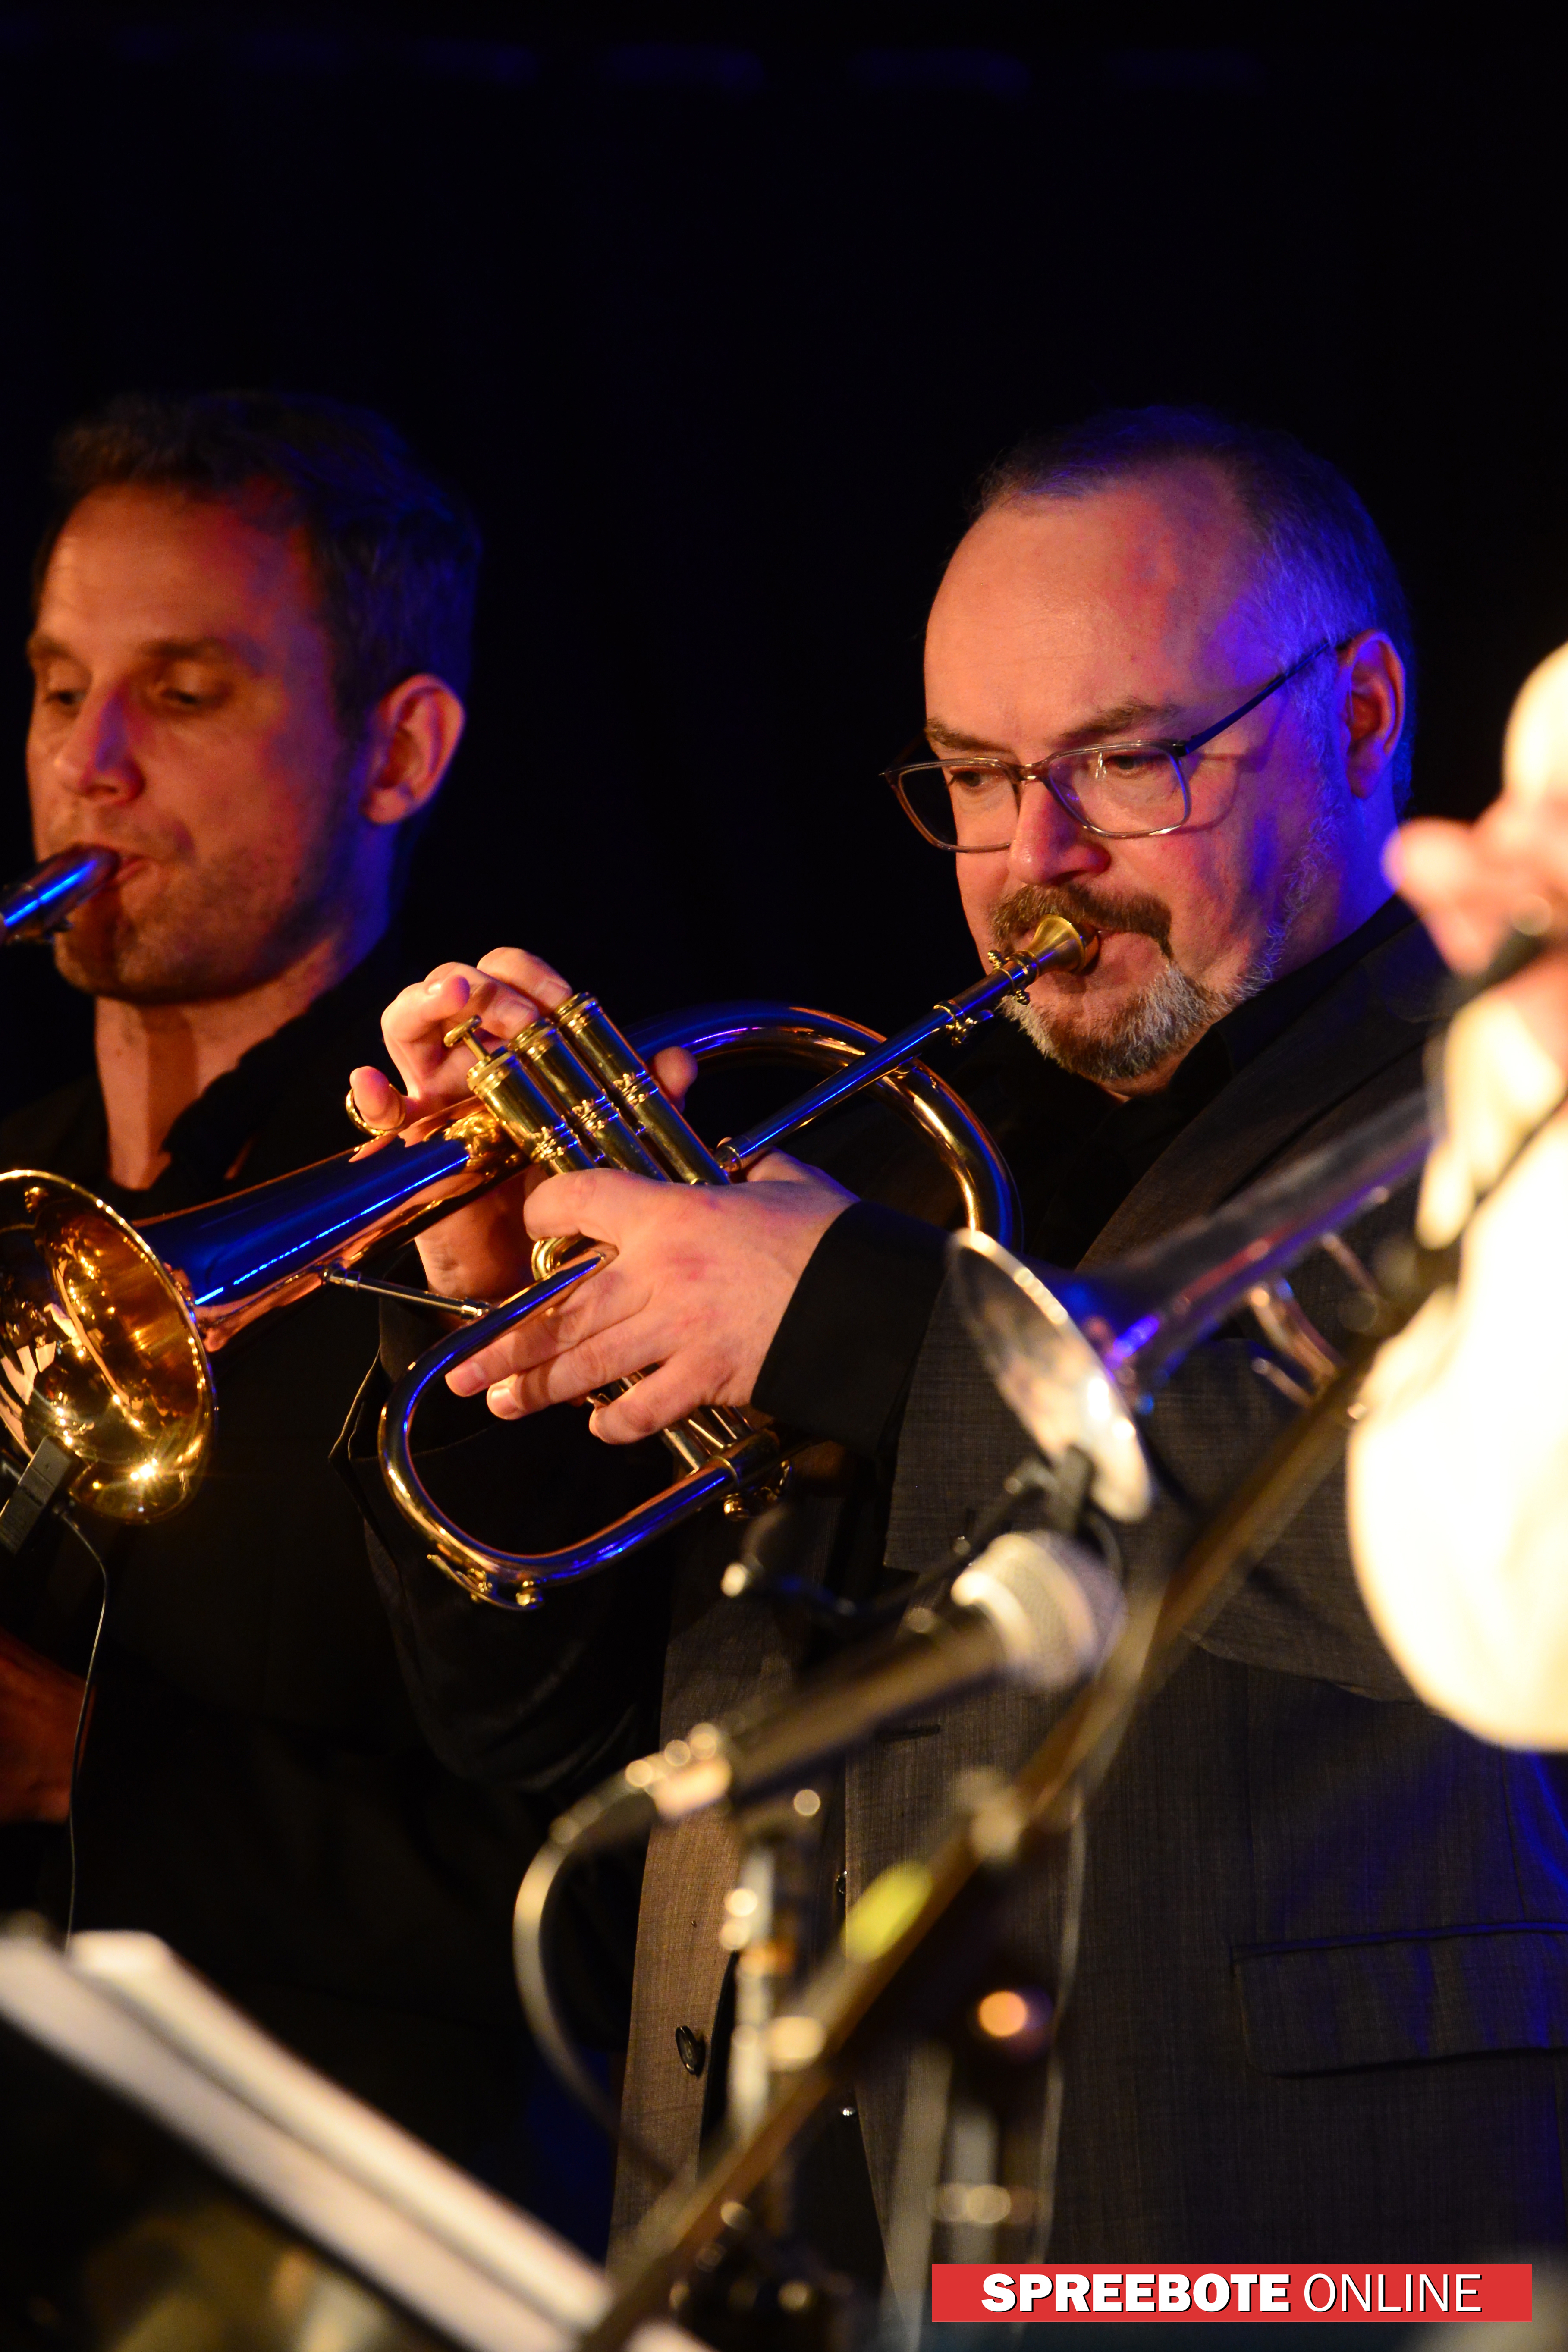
107, 1328
1076, 1355
43, 901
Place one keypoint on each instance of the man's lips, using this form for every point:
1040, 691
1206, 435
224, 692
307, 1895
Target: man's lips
1098, 931
1108, 960
132, 861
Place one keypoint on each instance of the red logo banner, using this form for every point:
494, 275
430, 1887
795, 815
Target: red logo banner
1185, 2292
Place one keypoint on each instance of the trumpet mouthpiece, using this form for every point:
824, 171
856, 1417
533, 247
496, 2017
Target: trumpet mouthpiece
1057, 942
44, 902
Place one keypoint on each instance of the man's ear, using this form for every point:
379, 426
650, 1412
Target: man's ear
1370, 711
413, 733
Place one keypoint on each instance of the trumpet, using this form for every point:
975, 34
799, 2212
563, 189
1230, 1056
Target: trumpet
595, 1079
1077, 1355
43, 901
107, 1328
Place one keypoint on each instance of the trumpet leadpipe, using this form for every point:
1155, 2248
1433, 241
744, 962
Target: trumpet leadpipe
45, 899
1055, 942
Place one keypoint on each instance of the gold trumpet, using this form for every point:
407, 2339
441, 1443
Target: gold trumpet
1076, 1355
107, 1328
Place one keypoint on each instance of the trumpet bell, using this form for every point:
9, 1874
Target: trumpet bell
1076, 1355
1034, 1336
107, 1329
98, 1351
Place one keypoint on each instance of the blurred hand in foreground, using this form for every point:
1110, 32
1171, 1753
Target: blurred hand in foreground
1458, 1469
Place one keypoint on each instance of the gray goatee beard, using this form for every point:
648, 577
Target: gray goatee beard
1162, 1020
1172, 1013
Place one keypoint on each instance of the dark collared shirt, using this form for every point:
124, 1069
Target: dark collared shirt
843, 1357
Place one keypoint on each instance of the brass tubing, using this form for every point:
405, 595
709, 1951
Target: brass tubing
512, 1579
728, 1456
513, 1095
44, 902
1054, 942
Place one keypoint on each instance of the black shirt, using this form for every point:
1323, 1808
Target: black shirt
842, 1358
254, 1786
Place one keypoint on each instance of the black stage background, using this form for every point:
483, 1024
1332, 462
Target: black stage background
717, 329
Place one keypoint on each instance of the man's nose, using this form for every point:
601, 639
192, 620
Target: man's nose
96, 757
1049, 843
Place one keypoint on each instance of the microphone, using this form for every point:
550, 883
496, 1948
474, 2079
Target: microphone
1035, 1609
44, 899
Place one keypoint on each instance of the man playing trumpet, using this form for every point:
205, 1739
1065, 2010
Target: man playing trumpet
251, 637
1167, 697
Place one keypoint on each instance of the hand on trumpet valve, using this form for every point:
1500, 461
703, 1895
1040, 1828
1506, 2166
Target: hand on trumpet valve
506, 990
698, 1285
481, 1251
1472, 883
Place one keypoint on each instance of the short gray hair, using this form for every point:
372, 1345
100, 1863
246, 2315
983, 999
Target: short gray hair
1326, 572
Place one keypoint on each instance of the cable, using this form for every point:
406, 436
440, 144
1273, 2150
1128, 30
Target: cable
80, 1742
616, 1810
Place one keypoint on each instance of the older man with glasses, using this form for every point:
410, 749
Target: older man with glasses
1324, 1937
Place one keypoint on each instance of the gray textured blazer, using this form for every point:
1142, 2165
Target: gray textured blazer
1323, 1986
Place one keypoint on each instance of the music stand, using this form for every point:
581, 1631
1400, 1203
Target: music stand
167, 2169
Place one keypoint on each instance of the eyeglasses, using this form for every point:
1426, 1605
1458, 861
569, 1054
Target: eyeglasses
969, 801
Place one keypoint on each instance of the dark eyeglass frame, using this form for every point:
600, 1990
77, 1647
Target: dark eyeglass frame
1037, 772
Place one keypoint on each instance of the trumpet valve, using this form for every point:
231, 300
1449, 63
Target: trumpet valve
470, 1032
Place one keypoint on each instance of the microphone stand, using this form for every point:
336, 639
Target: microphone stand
922, 1909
